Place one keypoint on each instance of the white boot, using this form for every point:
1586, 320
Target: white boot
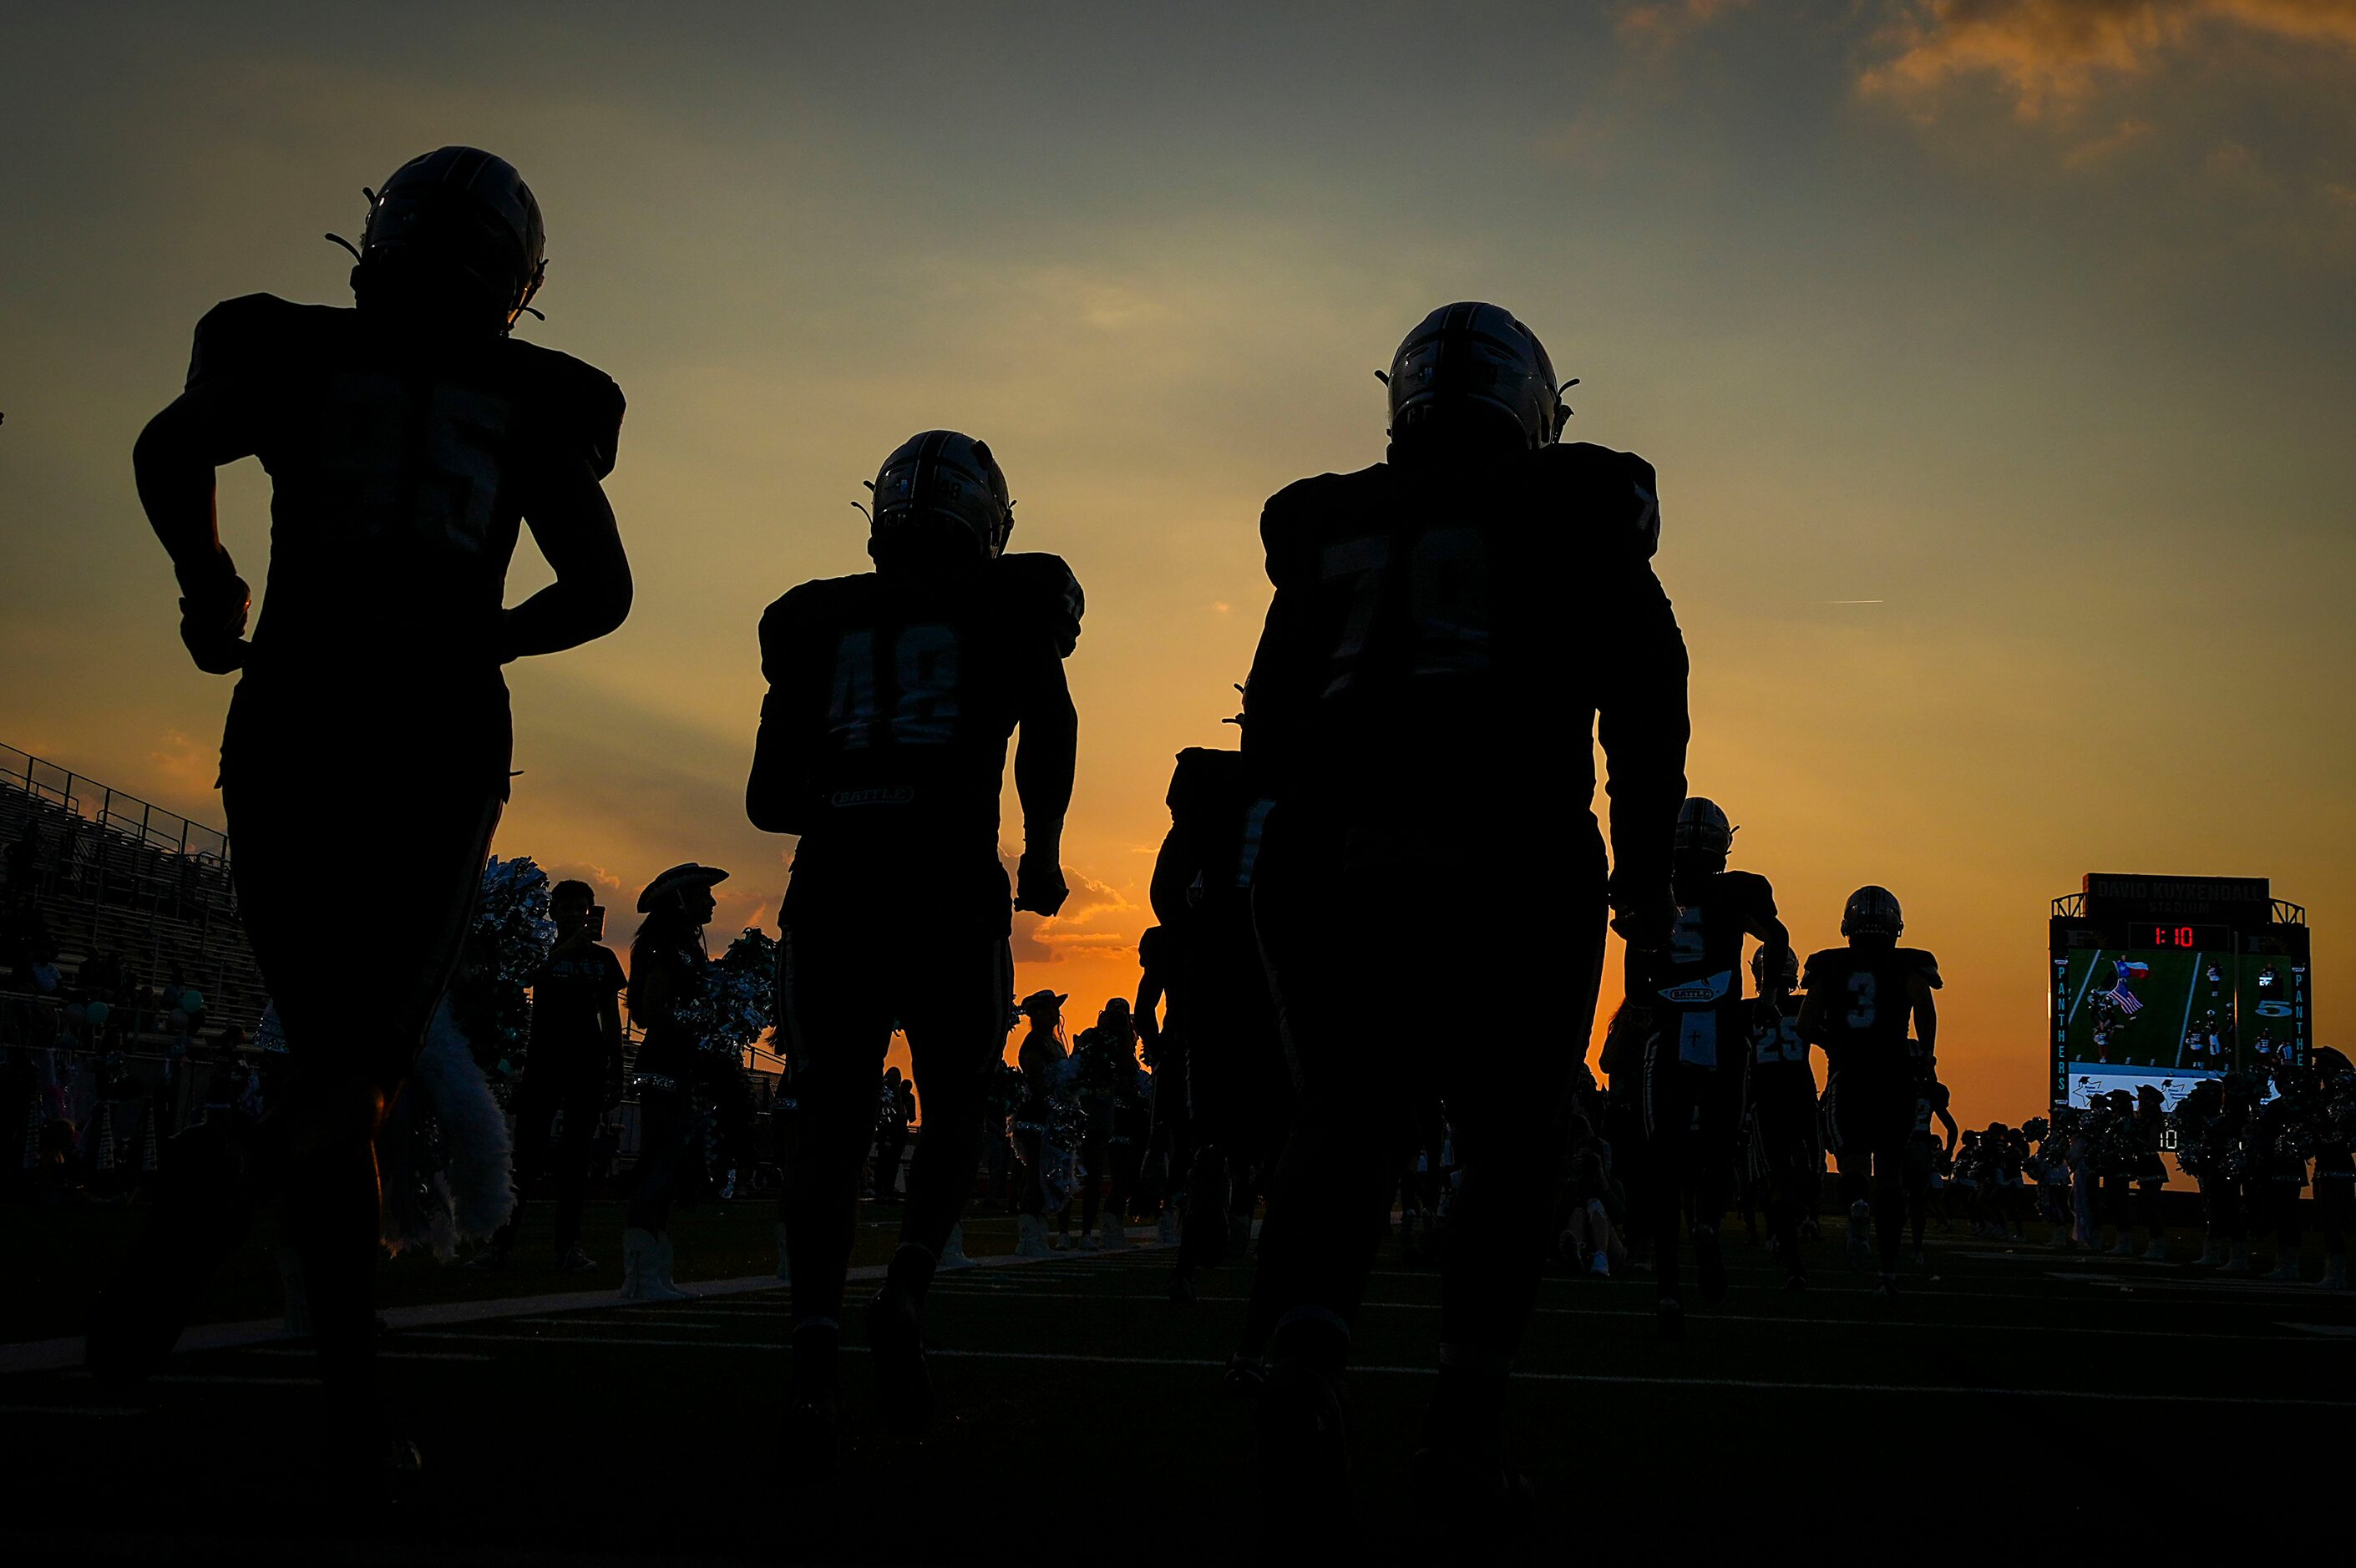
785, 1259
2212, 1254
953, 1251
2157, 1252
2335, 1272
645, 1267
2125, 1246
1116, 1234
1091, 1240
1170, 1224
2060, 1240
2238, 1261
1030, 1237
2286, 1269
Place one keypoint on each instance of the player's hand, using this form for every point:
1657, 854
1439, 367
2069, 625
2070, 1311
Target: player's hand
1644, 919
1039, 880
212, 620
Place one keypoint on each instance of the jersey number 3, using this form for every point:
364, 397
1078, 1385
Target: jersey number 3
1861, 1011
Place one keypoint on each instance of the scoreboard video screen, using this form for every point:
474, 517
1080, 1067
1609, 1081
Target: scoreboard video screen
2169, 981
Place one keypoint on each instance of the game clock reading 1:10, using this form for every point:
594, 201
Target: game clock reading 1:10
2185, 938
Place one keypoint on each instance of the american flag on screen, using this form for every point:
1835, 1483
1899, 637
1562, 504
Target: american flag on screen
2128, 973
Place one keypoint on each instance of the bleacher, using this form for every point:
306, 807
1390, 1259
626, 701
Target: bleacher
115, 874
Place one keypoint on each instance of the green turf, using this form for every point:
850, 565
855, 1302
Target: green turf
59, 1254
2021, 1392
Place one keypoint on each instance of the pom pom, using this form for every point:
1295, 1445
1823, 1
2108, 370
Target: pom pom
739, 997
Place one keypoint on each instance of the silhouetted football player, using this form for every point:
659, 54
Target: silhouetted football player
1860, 999
406, 438
1783, 1097
1698, 1051
1238, 1087
892, 695
1447, 627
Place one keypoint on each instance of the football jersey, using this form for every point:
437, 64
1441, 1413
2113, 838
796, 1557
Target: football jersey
399, 475
1930, 1099
1441, 641
883, 736
1702, 965
1777, 1050
1863, 997
1217, 813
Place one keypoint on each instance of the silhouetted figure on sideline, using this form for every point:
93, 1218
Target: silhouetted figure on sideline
405, 439
1238, 1090
882, 743
1447, 627
1699, 1052
670, 978
572, 1068
1785, 1145
1860, 999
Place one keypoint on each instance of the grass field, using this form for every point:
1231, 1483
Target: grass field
2021, 1392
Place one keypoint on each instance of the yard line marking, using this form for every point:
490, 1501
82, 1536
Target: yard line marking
382, 1353
64, 1409
2330, 1331
231, 1378
1632, 1379
1645, 1312
2246, 1286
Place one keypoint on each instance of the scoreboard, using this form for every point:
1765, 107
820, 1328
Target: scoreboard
2171, 980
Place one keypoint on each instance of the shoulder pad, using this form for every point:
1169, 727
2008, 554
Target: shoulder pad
581, 405
1205, 774
1825, 961
1618, 486
1918, 962
1755, 890
803, 603
248, 335
1045, 585
1305, 504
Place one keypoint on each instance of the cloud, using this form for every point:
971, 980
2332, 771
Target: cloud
1037, 940
2052, 56
2102, 148
1663, 25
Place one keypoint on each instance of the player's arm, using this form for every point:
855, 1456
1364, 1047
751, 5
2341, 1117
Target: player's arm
777, 795
1279, 694
1815, 1025
1760, 919
1146, 1010
1947, 1119
1642, 721
213, 422
1046, 755
1919, 987
573, 525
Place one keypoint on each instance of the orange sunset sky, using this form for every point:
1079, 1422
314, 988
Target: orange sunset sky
1997, 360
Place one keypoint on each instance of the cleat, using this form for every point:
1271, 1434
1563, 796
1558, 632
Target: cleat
1885, 1296
813, 1434
1305, 1452
953, 1252
2285, 1272
490, 1259
2335, 1272
2157, 1252
1709, 1264
576, 1260
903, 1385
1669, 1318
1599, 1264
1030, 1237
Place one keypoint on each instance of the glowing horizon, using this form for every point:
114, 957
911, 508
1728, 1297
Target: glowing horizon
1995, 360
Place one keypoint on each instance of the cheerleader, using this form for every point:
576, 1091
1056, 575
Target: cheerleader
669, 972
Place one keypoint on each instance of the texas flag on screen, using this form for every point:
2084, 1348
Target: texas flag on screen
2129, 974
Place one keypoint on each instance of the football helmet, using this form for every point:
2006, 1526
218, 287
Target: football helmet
458, 210
1872, 912
1702, 828
1791, 967
1472, 364
940, 491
